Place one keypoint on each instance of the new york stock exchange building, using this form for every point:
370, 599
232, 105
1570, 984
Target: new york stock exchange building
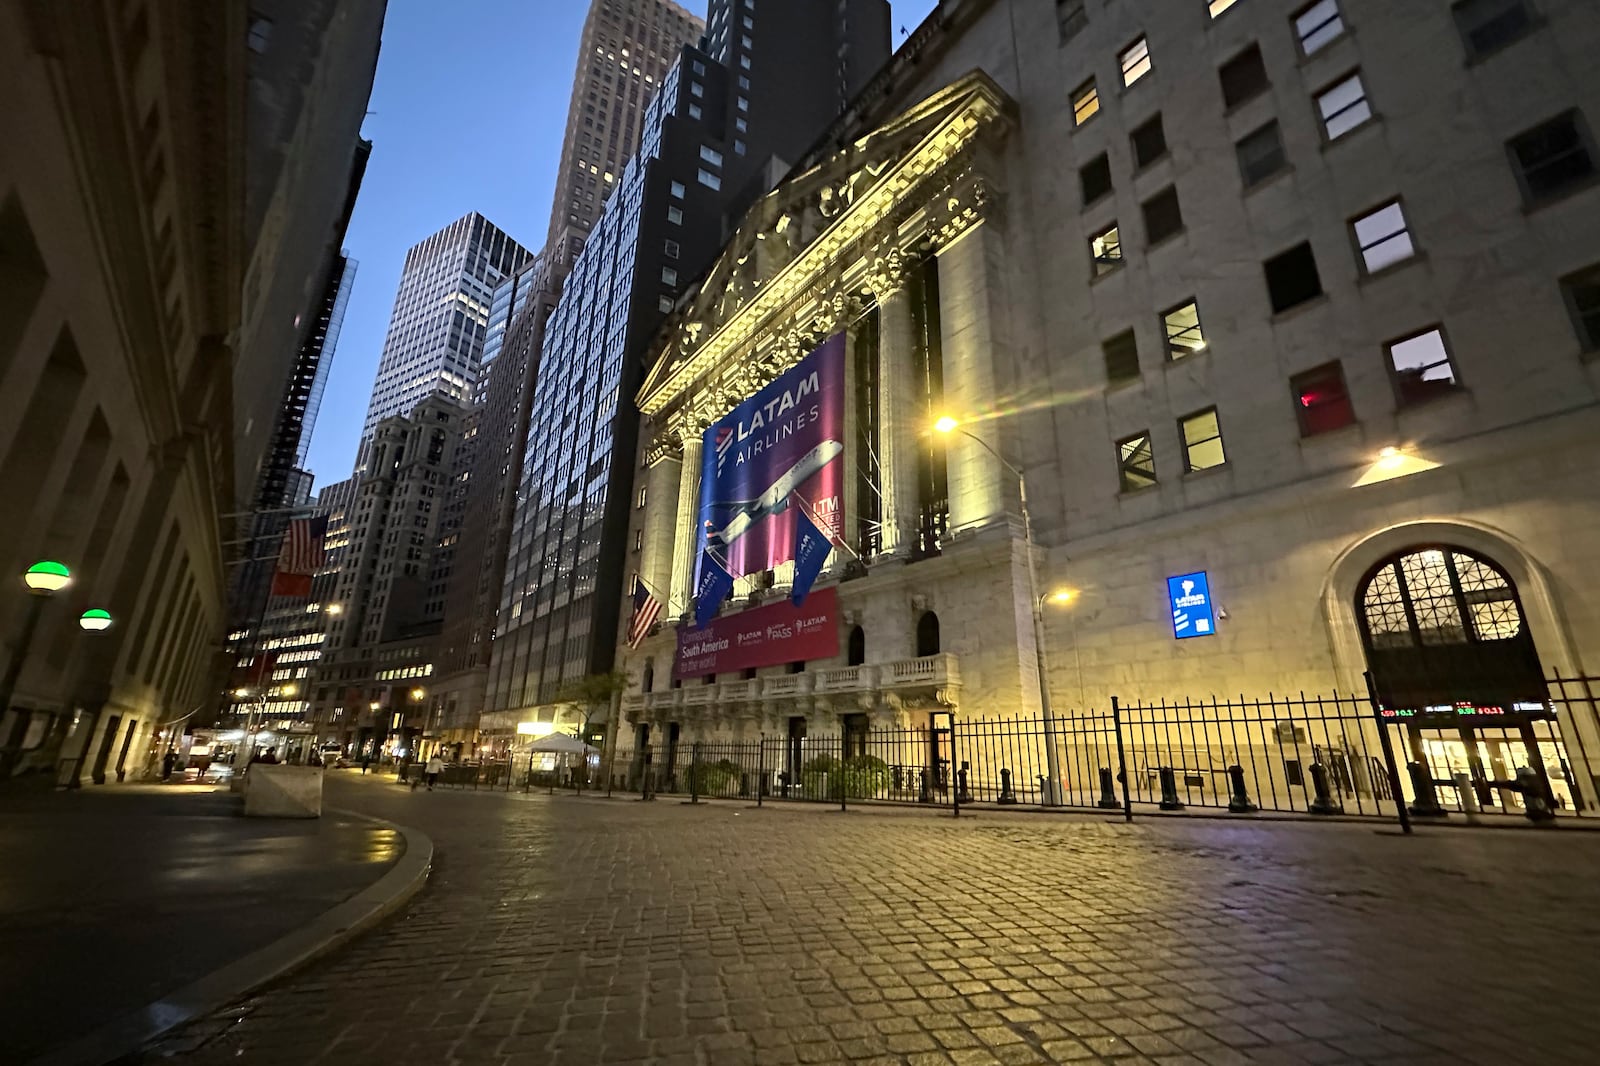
1281, 458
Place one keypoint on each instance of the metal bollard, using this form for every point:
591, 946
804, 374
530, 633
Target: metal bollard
1169, 790
963, 793
1008, 795
1467, 792
1534, 804
1324, 803
1108, 791
1427, 800
924, 789
1239, 801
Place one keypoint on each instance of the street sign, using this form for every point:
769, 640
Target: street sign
1192, 614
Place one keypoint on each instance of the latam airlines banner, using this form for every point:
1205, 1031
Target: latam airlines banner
764, 636
780, 450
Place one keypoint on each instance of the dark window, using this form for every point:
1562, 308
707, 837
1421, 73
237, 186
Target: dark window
1136, 462
1421, 367
1292, 278
1582, 291
1243, 77
1162, 216
1261, 155
1122, 358
858, 646
1321, 401
1489, 25
927, 634
1095, 178
1551, 157
1071, 18
1149, 142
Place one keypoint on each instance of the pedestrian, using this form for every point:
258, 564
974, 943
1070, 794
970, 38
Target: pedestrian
366, 761
168, 762
435, 768
270, 757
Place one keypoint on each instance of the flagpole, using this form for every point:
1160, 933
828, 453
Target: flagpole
838, 542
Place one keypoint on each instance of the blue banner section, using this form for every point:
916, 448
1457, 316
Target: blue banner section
1192, 616
782, 445
811, 548
715, 584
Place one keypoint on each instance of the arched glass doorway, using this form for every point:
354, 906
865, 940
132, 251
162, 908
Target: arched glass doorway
1455, 665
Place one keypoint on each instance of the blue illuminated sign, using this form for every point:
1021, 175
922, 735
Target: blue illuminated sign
1192, 615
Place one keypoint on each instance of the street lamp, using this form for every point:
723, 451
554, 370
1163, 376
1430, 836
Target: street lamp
44, 579
1052, 787
95, 620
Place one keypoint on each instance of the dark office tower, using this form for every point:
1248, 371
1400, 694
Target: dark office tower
626, 49
704, 147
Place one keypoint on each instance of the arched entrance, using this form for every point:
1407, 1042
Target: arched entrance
1454, 663
927, 634
857, 653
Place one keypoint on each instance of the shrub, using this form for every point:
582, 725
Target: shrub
863, 776
720, 778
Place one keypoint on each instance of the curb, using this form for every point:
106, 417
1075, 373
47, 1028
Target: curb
132, 1031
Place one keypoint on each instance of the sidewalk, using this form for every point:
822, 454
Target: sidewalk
111, 898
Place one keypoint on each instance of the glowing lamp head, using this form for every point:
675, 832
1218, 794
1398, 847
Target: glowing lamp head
290, 690
336, 608
945, 424
374, 705
95, 620
241, 693
418, 693
47, 576
1062, 597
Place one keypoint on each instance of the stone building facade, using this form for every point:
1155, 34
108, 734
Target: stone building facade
1305, 299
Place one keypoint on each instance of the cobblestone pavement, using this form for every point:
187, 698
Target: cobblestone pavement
113, 897
563, 930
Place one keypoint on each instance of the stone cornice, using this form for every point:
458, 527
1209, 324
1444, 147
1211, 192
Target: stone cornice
809, 293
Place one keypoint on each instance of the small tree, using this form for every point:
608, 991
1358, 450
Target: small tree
592, 693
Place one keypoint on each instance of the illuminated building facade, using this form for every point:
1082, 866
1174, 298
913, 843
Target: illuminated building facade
1252, 303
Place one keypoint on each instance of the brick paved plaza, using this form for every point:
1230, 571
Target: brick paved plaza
563, 930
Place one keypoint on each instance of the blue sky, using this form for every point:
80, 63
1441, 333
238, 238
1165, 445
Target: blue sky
466, 115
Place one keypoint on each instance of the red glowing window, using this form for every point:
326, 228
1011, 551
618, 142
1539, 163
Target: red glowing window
1321, 401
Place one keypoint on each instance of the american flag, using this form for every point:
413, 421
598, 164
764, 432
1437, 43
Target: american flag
301, 557
646, 609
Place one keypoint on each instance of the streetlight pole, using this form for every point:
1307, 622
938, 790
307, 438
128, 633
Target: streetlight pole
1051, 792
44, 579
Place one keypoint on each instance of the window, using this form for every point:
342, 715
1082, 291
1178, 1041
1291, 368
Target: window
676, 190
1421, 367
696, 89
1162, 216
1217, 7
638, 540
694, 111
744, 62
1202, 441
671, 249
642, 495
669, 276
1106, 248
1343, 107
738, 148
1095, 178
741, 125
1489, 25
259, 34
1085, 103
744, 104
1261, 155
1551, 158
665, 303
1071, 18
711, 155
1243, 77
1136, 462
675, 216
1321, 401
1292, 278
1182, 325
1122, 358
1318, 25
1135, 60
1582, 291
1149, 142
709, 180
1382, 238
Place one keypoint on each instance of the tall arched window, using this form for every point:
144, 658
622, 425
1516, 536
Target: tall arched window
858, 646
927, 634
649, 682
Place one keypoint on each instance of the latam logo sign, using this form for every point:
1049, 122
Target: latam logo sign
1192, 615
777, 453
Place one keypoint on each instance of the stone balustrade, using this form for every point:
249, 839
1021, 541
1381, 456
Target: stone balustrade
937, 675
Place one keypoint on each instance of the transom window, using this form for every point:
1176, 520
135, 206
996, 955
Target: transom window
1382, 237
1439, 596
1343, 107
1135, 60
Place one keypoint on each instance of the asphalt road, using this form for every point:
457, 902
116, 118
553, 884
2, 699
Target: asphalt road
564, 930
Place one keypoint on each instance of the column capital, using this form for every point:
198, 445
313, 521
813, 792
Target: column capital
886, 273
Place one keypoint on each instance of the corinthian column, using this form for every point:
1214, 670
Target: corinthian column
972, 326
899, 408
661, 512
687, 536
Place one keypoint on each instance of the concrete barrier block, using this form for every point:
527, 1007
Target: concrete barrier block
283, 792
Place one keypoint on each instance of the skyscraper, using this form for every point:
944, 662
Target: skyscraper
626, 49
703, 151
440, 318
